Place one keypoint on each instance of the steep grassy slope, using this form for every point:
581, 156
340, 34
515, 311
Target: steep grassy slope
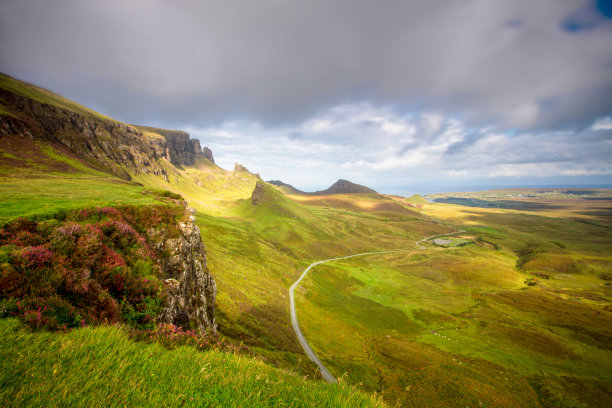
255, 249
101, 367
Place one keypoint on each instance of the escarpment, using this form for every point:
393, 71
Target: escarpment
190, 287
179, 149
107, 145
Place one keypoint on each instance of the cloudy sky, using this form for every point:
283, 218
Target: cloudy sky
403, 96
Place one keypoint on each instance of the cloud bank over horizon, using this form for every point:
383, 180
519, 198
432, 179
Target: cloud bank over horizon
386, 93
379, 147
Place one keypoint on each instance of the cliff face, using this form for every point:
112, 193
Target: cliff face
190, 288
208, 154
110, 146
180, 149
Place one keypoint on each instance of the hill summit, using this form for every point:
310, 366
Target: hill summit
346, 187
339, 187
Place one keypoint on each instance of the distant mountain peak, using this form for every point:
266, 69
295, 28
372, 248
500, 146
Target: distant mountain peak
339, 187
346, 187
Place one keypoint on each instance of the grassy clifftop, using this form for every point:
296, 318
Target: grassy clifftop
102, 367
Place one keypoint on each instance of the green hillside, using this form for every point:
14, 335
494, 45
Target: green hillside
515, 310
102, 367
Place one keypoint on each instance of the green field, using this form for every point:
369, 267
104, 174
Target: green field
473, 325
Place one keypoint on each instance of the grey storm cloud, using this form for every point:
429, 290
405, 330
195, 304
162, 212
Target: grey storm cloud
519, 64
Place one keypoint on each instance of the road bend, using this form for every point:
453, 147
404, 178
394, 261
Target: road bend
294, 320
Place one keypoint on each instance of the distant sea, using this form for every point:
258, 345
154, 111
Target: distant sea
407, 191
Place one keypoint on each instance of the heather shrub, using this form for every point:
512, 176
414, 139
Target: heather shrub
84, 267
53, 313
64, 238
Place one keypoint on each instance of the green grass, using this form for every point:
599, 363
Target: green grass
518, 317
470, 315
4, 111
378, 313
100, 366
75, 164
39, 197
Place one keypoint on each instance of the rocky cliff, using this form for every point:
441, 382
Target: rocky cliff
208, 154
106, 265
107, 145
190, 288
180, 149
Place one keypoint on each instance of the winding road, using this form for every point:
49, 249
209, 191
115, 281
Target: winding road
294, 321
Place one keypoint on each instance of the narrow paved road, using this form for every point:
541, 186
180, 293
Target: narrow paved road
296, 327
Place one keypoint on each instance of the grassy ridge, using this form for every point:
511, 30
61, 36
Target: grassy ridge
101, 367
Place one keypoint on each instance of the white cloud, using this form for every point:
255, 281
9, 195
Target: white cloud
510, 63
585, 172
602, 124
355, 143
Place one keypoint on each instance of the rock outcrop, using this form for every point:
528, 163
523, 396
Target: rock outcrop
259, 193
197, 149
190, 287
239, 167
208, 154
180, 149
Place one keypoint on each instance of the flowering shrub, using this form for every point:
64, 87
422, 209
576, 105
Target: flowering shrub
64, 238
120, 233
36, 257
84, 267
52, 313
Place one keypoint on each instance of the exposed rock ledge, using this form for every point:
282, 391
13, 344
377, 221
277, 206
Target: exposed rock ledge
190, 287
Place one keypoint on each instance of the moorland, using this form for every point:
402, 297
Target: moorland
511, 311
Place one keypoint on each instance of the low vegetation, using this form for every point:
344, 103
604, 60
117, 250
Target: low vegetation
102, 367
83, 267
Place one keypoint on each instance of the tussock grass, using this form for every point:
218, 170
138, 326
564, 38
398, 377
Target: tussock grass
101, 367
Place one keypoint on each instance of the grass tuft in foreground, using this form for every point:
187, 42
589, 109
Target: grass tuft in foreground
101, 366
